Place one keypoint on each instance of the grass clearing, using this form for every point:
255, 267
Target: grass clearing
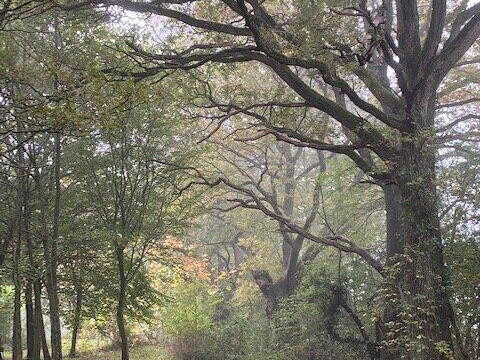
146, 352
149, 352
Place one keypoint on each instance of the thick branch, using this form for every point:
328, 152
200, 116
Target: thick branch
154, 8
434, 36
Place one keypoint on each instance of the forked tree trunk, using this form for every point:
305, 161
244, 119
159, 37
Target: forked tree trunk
40, 326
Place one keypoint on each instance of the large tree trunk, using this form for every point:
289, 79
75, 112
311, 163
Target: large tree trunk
121, 302
421, 287
76, 321
424, 272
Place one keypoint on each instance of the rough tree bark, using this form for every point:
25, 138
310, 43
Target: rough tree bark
424, 269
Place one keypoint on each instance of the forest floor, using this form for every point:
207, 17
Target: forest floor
137, 353
148, 352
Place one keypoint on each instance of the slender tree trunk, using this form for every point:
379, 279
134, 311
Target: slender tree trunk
50, 254
56, 334
51, 290
32, 331
17, 316
469, 347
76, 321
478, 340
40, 326
7, 241
121, 302
34, 310
30, 319
289, 187
17, 351
52, 286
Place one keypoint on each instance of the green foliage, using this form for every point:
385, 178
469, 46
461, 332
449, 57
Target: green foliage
189, 317
309, 322
6, 298
205, 325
